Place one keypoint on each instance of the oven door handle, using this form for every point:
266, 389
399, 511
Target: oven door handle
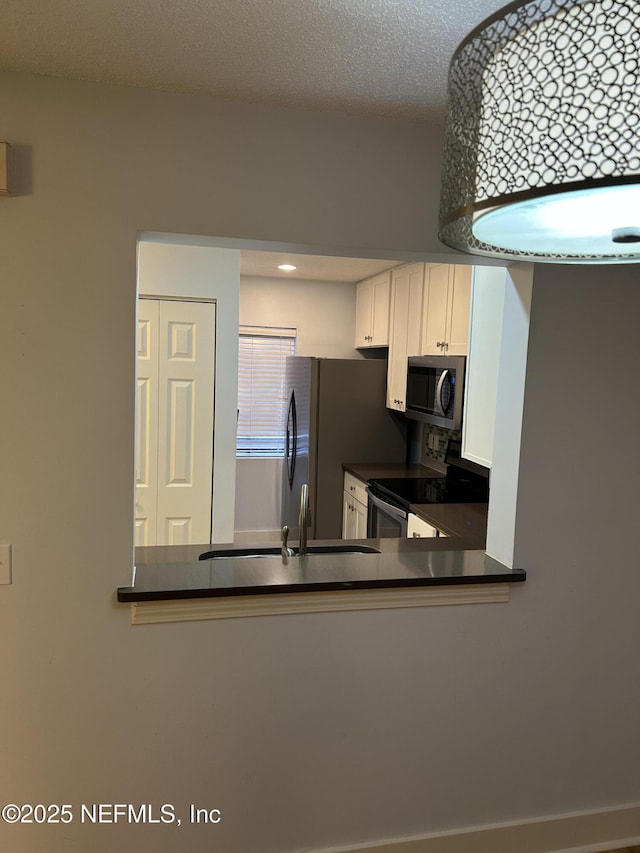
390, 509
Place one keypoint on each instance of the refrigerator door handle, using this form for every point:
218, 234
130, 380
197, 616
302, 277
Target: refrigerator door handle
291, 438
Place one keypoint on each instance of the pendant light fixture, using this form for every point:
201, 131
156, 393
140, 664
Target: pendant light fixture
542, 145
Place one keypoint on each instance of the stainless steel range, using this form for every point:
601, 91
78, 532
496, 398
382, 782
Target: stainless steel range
390, 499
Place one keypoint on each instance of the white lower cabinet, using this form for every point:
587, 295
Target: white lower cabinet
354, 518
354, 508
418, 528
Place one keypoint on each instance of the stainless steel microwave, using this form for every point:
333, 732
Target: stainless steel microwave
435, 390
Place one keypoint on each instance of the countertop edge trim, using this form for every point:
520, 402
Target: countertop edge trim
233, 607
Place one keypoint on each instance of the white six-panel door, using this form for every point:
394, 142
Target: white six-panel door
174, 422
147, 422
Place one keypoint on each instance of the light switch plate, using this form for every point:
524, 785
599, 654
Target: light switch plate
5, 169
5, 564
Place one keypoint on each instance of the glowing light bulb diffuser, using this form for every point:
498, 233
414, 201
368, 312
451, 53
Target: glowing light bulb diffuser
542, 148
286, 267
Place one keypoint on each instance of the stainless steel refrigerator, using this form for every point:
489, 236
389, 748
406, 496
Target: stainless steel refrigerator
336, 413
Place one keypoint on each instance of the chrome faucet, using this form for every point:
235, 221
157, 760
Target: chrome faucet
286, 552
303, 518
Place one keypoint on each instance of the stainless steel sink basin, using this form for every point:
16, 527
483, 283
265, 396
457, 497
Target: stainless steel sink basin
274, 551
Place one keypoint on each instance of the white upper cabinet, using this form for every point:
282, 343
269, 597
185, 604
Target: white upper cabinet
445, 319
434, 322
372, 311
405, 327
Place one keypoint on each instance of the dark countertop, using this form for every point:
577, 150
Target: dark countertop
468, 521
366, 471
174, 572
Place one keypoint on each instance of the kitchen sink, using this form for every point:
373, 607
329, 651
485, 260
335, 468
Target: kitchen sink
275, 551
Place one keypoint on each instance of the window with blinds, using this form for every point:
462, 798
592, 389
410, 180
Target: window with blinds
262, 403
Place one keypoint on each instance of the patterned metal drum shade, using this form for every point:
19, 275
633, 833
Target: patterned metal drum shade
542, 146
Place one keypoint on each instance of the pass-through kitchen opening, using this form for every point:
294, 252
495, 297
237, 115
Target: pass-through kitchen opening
393, 378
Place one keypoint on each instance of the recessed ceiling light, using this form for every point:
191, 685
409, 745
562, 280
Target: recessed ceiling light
286, 267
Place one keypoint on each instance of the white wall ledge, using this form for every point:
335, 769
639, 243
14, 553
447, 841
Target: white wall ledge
243, 606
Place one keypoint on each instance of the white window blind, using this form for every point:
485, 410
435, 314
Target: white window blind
262, 403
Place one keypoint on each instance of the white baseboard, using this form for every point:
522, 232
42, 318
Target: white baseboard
584, 832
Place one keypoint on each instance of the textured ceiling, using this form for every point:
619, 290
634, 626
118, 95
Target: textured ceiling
376, 57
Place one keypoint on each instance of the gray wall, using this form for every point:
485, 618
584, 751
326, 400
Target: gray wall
577, 535
309, 731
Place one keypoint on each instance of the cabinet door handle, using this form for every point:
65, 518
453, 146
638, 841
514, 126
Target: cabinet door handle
416, 535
